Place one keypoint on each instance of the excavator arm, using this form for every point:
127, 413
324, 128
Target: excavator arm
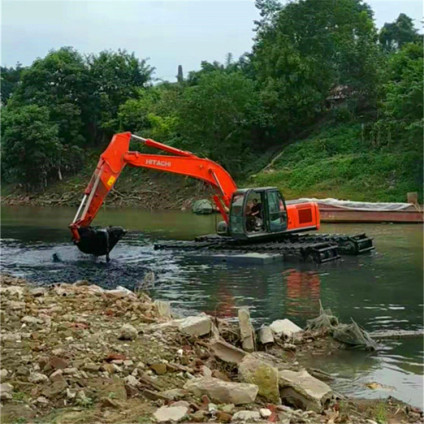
110, 165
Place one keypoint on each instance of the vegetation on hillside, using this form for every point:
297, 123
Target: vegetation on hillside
342, 100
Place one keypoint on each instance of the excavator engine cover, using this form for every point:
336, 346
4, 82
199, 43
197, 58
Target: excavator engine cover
99, 241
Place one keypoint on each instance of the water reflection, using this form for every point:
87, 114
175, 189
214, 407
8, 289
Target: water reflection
303, 293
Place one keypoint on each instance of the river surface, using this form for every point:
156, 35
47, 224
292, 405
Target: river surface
381, 291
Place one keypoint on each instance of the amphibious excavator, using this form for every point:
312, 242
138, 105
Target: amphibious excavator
254, 219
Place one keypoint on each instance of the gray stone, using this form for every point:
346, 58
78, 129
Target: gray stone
12, 291
131, 381
38, 291
22, 371
31, 320
3, 374
223, 391
202, 207
300, 389
247, 416
128, 332
56, 376
263, 375
199, 325
265, 335
163, 309
226, 352
265, 412
55, 389
173, 394
6, 390
170, 413
246, 330
284, 327
37, 377
15, 305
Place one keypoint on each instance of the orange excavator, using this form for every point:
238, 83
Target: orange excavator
256, 219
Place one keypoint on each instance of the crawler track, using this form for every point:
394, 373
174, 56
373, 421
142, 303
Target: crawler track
320, 248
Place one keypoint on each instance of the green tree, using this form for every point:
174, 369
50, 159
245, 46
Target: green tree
401, 110
394, 35
30, 146
116, 77
9, 78
305, 49
59, 82
215, 117
153, 113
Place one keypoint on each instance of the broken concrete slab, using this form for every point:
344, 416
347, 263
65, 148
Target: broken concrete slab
223, 391
247, 331
198, 325
300, 389
246, 416
265, 376
284, 328
226, 352
265, 335
170, 413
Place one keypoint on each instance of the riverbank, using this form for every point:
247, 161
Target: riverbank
134, 188
74, 353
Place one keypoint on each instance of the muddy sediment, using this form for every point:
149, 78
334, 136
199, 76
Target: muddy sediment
77, 353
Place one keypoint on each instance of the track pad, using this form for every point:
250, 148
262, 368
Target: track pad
99, 241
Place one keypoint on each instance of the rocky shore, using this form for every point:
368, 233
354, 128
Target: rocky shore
76, 353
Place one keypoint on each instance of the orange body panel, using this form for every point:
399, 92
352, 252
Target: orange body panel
303, 216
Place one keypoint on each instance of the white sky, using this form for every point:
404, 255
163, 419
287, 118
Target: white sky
170, 32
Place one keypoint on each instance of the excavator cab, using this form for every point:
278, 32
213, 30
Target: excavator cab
256, 213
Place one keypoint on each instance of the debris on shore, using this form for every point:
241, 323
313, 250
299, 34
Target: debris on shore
76, 353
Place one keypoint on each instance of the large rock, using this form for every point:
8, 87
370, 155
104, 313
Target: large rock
264, 375
199, 325
6, 390
170, 413
202, 207
265, 335
226, 352
247, 332
128, 332
284, 327
302, 390
223, 391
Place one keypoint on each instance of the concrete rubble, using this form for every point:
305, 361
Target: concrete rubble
80, 353
170, 413
199, 325
264, 375
247, 332
223, 391
284, 328
226, 352
265, 335
303, 390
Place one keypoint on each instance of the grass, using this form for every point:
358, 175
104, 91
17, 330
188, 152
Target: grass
339, 162
380, 413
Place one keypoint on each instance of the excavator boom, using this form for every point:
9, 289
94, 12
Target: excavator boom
110, 165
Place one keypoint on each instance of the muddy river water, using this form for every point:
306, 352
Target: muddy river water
382, 291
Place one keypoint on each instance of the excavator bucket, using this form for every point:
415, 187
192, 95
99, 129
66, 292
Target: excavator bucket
99, 241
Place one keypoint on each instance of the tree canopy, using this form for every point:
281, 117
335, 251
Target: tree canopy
311, 63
